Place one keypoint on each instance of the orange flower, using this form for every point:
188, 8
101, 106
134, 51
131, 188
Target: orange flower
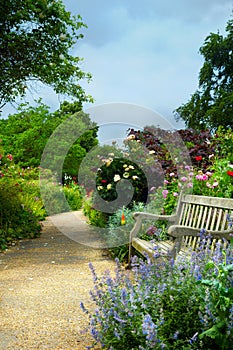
123, 219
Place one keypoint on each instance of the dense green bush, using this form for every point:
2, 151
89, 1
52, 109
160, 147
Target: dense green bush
17, 220
95, 217
21, 209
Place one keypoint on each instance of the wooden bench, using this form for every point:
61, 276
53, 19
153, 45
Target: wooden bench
193, 214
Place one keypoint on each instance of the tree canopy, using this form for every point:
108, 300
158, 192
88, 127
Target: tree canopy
35, 42
25, 134
212, 103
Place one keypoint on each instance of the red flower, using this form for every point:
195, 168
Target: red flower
104, 181
230, 173
198, 158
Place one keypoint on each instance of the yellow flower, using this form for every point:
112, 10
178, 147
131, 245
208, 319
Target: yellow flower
126, 175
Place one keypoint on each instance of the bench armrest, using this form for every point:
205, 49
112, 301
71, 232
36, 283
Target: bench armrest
139, 216
178, 231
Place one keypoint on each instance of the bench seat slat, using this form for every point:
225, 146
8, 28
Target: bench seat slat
193, 214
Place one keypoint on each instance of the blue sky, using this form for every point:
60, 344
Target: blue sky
144, 52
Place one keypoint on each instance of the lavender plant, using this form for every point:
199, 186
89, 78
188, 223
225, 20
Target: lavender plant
185, 304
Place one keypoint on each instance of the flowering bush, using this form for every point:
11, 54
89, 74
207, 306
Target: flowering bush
116, 169
20, 205
166, 305
217, 181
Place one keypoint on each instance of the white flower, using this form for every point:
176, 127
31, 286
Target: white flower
99, 188
62, 36
125, 165
109, 186
111, 154
151, 152
135, 177
131, 137
131, 167
116, 178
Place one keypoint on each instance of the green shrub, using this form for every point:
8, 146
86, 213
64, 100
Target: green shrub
16, 221
74, 195
95, 217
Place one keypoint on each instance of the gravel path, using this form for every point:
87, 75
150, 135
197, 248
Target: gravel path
42, 284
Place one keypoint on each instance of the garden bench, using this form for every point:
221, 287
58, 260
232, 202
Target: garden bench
193, 213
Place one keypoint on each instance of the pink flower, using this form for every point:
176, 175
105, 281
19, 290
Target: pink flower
204, 177
172, 174
166, 182
175, 194
190, 185
165, 193
183, 179
10, 157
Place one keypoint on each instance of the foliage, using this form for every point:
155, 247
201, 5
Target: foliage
182, 305
74, 195
195, 147
118, 231
26, 133
212, 103
95, 217
21, 209
36, 39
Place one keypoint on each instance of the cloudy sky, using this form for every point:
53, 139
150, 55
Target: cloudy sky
144, 52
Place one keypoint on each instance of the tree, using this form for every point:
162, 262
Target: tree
35, 42
212, 104
25, 134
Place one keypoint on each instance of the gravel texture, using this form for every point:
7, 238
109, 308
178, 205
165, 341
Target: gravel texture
42, 283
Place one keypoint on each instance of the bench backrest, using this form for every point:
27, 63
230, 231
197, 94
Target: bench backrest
202, 212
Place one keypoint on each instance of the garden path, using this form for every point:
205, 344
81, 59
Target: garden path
42, 282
